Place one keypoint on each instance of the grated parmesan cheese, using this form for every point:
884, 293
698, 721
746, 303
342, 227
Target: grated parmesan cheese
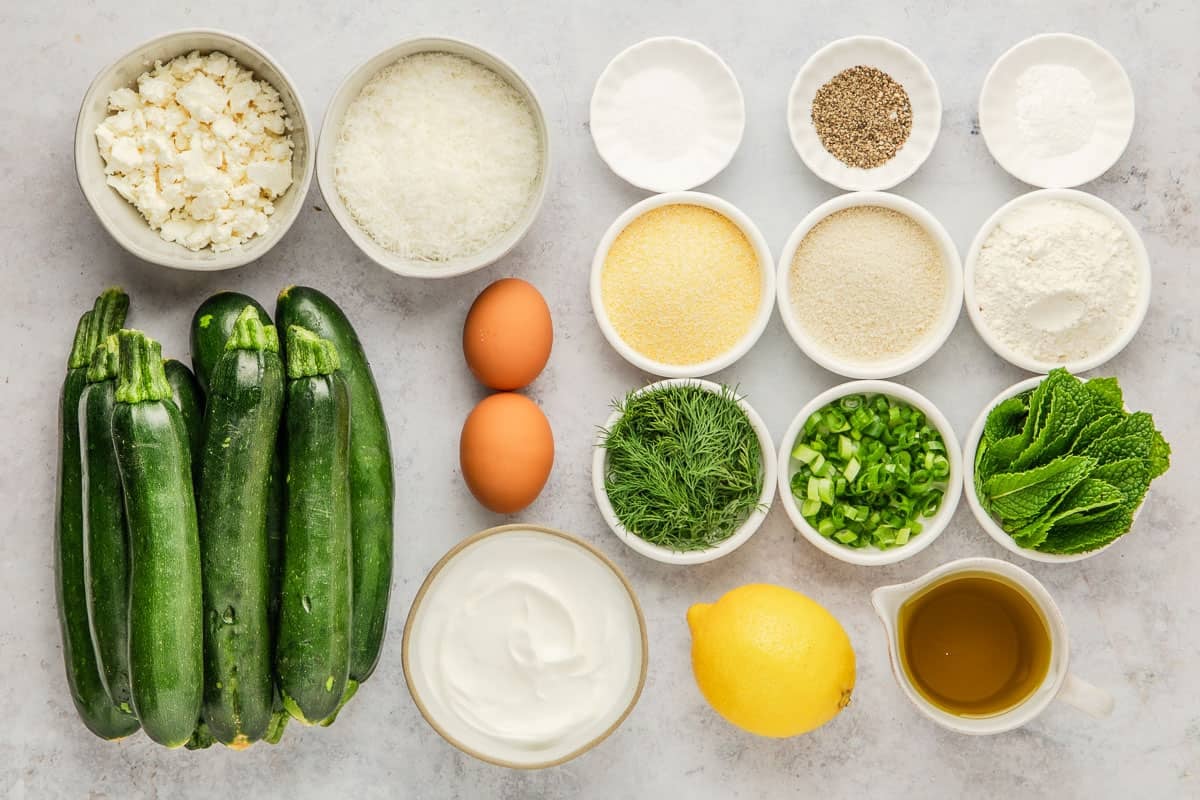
681, 284
437, 157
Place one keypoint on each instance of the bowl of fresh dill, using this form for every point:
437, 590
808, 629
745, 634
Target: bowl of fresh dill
684, 470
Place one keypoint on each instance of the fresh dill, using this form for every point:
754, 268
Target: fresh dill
684, 466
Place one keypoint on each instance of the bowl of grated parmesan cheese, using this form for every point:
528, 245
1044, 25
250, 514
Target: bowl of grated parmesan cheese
194, 151
433, 157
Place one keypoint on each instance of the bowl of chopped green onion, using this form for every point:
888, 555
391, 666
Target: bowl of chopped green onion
684, 470
869, 472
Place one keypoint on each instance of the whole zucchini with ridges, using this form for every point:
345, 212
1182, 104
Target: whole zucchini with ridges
105, 539
372, 493
92, 702
312, 657
244, 405
166, 667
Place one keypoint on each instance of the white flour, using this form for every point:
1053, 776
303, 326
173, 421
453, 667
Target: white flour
1055, 109
1057, 281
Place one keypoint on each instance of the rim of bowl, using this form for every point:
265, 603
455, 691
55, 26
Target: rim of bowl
871, 556
1023, 175
428, 582
947, 318
766, 267
1001, 537
349, 89
1139, 251
795, 135
230, 259
739, 537
653, 41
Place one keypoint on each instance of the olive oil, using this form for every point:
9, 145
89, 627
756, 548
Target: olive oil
973, 644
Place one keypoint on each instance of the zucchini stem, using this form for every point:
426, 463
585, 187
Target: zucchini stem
309, 354
105, 359
106, 317
250, 334
140, 375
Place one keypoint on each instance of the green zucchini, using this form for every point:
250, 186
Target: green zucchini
245, 402
312, 656
212, 325
166, 666
372, 493
189, 399
105, 539
92, 702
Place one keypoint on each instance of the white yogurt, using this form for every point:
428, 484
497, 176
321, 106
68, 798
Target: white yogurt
525, 647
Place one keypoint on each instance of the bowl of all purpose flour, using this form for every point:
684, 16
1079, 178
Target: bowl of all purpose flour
1056, 110
1057, 278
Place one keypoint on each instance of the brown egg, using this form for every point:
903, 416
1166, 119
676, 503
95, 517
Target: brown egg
508, 334
506, 452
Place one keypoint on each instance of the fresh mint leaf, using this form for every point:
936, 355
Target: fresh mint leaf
1069, 407
1067, 540
1006, 419
1131, 475
1106, 393
1023, 495
1160, 455
1094, 430
1132, 437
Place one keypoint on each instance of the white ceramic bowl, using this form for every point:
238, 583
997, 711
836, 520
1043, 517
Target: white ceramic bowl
412, 676
1002, 538
349, 90
950, 308
906, 69
122, 221
666, 555
706, 120
999, 121
743, 345
872, 556
1026, 362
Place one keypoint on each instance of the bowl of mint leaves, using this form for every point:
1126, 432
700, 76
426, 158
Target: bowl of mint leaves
1056, 468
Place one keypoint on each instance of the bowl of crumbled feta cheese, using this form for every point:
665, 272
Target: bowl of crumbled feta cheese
194, 150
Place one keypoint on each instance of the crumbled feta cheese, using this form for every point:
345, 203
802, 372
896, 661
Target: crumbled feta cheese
201, 149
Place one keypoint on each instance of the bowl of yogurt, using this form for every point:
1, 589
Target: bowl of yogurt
525, 647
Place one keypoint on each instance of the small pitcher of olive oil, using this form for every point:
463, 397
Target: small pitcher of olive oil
979, 646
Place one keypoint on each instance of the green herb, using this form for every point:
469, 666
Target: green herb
1064, 467
871, 467
684, 466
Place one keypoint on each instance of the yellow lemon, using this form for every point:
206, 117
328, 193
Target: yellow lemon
770, 660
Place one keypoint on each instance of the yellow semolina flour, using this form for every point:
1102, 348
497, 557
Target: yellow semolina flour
681, 284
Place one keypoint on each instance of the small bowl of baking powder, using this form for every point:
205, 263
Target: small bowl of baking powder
1057, 278
1056, 110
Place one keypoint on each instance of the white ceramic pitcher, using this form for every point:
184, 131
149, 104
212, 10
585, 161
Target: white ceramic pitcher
1058, 683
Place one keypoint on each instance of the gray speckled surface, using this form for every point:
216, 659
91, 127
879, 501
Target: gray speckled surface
1134, 611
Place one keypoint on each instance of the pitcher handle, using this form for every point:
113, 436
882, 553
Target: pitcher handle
1087, 697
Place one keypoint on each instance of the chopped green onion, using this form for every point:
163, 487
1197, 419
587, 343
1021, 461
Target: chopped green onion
870, 469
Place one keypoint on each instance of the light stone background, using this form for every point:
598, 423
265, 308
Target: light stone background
1134, 611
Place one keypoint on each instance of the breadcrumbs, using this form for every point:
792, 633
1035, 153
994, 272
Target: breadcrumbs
868, 283
681, 284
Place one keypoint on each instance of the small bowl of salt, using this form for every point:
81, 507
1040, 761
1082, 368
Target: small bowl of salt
1056, 110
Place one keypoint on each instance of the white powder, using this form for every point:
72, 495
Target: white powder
1057, 281
1055, 109
437, 157
868, 283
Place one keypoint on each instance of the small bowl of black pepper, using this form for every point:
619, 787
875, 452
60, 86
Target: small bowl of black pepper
864, 113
